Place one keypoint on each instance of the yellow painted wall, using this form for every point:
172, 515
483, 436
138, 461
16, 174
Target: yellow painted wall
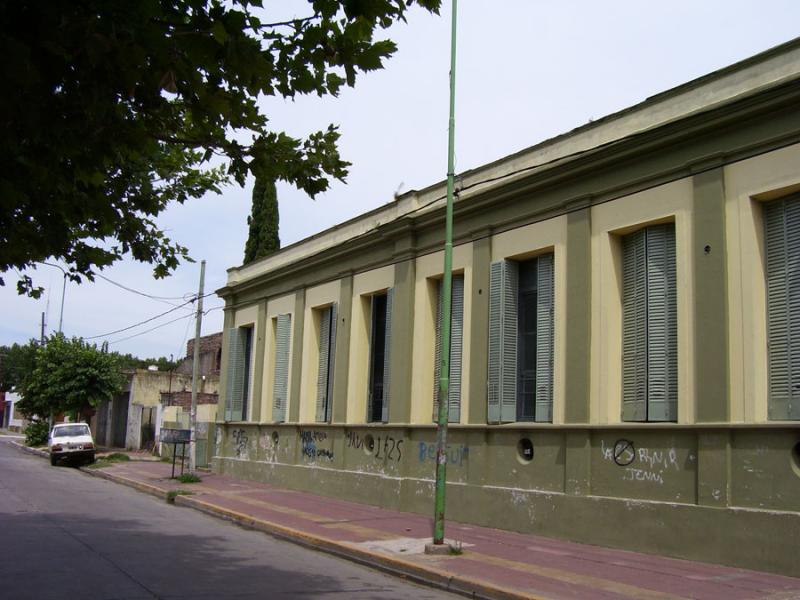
206, 413
364, 285
276, 306
748, 184
316, 298
248, 317
428, 271
610, 221
528, 241
146, 386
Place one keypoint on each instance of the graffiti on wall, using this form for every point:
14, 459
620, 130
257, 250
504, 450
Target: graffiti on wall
310, 441
641, 464
381, 447
455, 455
240, 443
269, 445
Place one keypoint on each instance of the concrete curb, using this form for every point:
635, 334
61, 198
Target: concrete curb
458, 584
29, 450
132, 483
452, 583
394, 566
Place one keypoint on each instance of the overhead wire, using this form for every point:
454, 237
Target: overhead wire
186, 316
191, 314
146, 295
166, 312
185, 336
93, 337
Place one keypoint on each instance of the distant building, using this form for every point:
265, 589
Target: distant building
133, 419
210, 355
10, 418
624, 364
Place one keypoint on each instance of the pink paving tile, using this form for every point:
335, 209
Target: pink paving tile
657, 574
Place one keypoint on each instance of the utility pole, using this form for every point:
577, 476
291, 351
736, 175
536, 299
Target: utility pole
63, 291
444, 368
195, 369
41, 336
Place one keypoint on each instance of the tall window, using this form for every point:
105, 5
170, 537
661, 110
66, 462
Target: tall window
281, 331
782, 234
240, 344
521, 340
456, 344
649, 325
327, 347
379, 357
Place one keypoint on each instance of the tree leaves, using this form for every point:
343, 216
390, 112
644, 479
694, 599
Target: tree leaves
263, 223
68, 376
115, 110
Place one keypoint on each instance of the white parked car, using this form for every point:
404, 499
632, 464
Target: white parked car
71, 440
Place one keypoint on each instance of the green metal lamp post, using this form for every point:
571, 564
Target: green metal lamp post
444, 379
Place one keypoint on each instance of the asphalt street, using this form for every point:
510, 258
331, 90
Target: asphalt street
66, 535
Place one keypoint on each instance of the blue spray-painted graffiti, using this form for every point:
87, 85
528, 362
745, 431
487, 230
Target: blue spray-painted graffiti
309, 441
456, 455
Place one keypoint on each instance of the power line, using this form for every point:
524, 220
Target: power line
152, 297
205, 312
154, 328
92, 337
185, 335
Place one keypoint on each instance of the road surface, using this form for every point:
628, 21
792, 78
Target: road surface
65, 535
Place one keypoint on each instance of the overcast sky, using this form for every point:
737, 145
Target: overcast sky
527, 70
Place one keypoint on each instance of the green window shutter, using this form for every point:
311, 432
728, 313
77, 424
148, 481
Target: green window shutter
782, 233
793, 280
649, 325
324, 363
662, 374
495, 342
372, 334
387, 357
510, 300
437, 359
456, 345
545, 331
331, 360
503, 298
281, 384
235, 384
634, 327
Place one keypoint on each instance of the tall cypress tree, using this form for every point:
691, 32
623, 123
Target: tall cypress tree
263, 239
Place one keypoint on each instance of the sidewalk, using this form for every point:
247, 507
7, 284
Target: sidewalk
494, 563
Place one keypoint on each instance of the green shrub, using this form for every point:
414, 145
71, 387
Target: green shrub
189, 478
172, 494
36, 433
110, 459
117, 457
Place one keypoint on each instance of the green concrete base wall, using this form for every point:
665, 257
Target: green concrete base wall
627, 488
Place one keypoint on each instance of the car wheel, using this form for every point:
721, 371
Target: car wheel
53, 460
91, 459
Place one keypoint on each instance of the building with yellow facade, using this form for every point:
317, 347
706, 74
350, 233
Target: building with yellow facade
625, 364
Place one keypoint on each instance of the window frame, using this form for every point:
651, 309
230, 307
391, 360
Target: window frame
649, 318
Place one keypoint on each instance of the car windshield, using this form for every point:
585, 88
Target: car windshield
71, 430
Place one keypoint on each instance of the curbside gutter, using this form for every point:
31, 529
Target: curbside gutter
132, 483
397, 567
388, 564
28, 449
